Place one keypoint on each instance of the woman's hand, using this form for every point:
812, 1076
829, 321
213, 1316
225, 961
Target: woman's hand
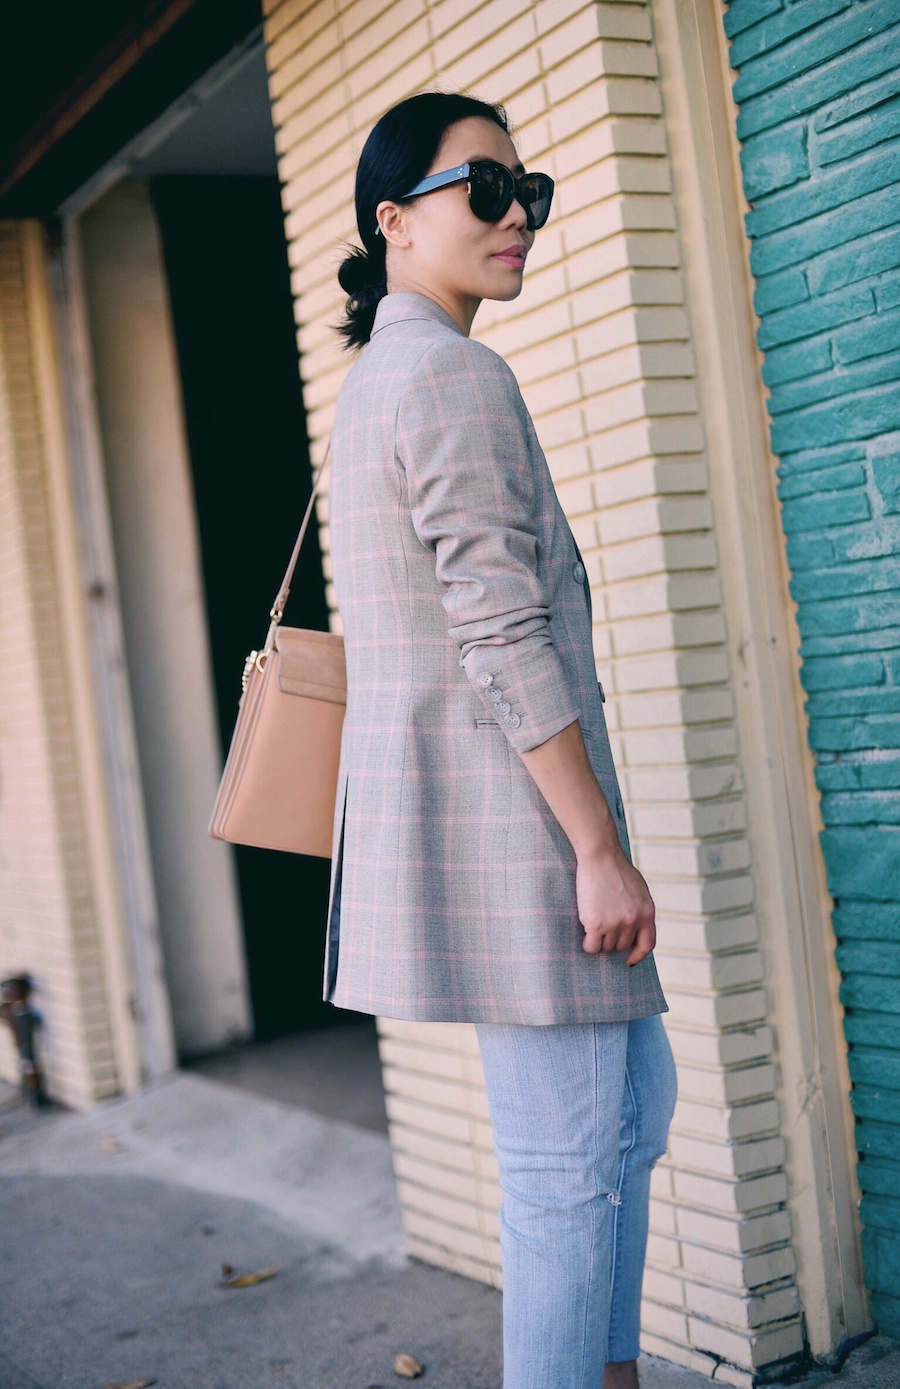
614, 906
614, 903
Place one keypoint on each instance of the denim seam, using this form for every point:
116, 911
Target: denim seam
615, 1228
593, 1250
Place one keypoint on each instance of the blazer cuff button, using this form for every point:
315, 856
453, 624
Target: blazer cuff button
485, 679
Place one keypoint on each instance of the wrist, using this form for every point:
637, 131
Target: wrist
599, 849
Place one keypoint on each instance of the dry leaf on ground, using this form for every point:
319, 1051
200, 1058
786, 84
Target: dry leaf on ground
132, 1384
407, 1367
248, 1280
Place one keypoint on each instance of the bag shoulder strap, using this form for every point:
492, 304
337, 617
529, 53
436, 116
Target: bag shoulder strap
277, 611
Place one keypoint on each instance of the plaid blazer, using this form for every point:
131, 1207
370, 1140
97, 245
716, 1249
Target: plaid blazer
467, 627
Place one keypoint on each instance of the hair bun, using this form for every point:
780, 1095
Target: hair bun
357, 274
364, 281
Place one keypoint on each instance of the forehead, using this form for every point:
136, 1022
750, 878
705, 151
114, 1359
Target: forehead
476, 138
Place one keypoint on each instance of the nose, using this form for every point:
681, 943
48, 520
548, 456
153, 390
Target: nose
518, 214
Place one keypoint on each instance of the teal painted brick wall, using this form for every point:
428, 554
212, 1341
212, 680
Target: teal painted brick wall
818, 96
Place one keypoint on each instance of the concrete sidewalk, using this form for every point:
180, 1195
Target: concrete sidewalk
115, 1225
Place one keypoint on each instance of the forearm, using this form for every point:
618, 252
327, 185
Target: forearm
614, 903
566, 779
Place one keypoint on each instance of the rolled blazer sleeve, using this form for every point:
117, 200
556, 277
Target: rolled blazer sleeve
461, 440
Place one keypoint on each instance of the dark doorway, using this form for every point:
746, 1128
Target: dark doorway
226, 263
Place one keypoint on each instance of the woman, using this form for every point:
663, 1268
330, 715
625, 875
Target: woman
481, 868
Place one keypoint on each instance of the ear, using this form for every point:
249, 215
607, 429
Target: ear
393, 223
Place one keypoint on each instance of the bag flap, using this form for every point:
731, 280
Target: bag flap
311, 664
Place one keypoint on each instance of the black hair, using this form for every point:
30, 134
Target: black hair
397, 155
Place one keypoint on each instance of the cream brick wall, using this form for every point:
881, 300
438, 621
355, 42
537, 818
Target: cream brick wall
48, 911
601, 343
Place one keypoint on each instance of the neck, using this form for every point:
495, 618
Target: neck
462, 308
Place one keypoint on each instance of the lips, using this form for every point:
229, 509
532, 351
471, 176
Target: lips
512, 255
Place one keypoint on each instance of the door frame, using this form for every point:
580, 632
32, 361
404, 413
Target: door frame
115, 714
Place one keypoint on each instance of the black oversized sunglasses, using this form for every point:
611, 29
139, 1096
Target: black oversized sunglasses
492, 187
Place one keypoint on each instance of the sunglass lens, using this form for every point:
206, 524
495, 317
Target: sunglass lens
490, 190
538, 195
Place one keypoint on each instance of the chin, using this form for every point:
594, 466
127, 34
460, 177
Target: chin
503, 293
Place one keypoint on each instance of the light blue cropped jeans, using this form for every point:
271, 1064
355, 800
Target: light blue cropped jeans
580, 1114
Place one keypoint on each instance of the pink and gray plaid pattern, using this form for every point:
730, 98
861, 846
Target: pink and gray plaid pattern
467, 628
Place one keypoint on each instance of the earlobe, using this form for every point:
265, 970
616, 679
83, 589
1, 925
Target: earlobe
392, 225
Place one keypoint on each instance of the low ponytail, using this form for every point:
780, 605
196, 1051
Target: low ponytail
396, 156
364, 280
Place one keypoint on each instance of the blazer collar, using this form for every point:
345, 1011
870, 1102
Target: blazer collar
406, 308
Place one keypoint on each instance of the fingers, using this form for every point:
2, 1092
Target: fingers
602, 940
616, 909
638, 936
644, 944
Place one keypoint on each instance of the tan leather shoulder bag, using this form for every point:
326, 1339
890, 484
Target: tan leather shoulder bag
280, 780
